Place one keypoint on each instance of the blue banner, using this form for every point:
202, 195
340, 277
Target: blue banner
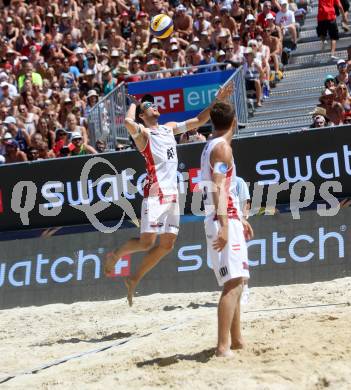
181, 98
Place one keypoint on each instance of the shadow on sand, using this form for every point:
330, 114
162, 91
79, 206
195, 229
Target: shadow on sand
201, 357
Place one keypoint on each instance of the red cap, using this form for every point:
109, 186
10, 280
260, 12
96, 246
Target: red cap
141, 13
125, 13
37, 28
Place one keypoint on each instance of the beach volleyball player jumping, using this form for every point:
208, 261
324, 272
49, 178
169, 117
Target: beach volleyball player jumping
160, 207
225, 230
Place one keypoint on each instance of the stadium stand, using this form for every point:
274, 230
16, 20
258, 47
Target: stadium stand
59, 59
291, 103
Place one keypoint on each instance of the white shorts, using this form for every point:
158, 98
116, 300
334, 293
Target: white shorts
159, 217
232, 261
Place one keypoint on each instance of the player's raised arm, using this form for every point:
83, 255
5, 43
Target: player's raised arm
203, 117
136, 130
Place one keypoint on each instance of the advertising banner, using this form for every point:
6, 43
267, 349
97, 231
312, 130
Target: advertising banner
69, 268
109, 187
181, 98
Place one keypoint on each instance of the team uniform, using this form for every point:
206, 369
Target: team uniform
232, 261
160, 207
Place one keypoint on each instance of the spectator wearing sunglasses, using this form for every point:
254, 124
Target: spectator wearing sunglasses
343, 75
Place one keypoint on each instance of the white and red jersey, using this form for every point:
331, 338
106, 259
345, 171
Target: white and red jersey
207, 183
161, 158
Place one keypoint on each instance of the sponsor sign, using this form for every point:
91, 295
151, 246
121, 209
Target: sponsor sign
55, 192
69, 268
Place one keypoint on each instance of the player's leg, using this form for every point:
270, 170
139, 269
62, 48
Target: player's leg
154, 255
133, 245
150, 260
235, 329
228, 303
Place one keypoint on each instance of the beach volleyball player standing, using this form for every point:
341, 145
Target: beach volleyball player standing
160, 207
225, 230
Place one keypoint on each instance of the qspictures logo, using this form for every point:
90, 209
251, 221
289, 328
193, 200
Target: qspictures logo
42, 270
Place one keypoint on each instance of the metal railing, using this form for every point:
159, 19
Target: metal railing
106, 118
239, 98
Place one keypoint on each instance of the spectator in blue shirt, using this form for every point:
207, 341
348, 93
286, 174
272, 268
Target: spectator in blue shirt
207, 60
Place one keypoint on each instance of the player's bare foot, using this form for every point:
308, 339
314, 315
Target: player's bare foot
109, 264
237, 344
224, 353
130, 284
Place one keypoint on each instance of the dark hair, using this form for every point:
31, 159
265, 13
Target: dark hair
222, 115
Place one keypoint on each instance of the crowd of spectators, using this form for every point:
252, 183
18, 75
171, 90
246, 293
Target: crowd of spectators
334, 106
58, 58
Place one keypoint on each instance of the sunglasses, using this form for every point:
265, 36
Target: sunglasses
147, 105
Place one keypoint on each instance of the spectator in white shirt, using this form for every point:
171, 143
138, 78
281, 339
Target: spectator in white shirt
286, 20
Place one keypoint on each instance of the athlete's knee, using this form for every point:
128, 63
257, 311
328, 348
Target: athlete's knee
167, 245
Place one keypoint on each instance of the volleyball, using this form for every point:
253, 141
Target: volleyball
161, 26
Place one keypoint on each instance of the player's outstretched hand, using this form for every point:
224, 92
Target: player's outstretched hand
132, 99
221, 240
248, 231
225, 92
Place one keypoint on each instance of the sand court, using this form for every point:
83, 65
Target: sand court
297, 336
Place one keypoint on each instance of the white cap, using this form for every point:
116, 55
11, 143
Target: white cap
173, 40
9, 119
174, 47
270, 16
67, 99
154, 40
4, 75
282, 2
7, 136
196, 39
9, 20
252, 42
180, 8
64, 15
75, 135
114, 53
341, 62
250, 17
4, 84
221, 53
79, 50
91, 93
